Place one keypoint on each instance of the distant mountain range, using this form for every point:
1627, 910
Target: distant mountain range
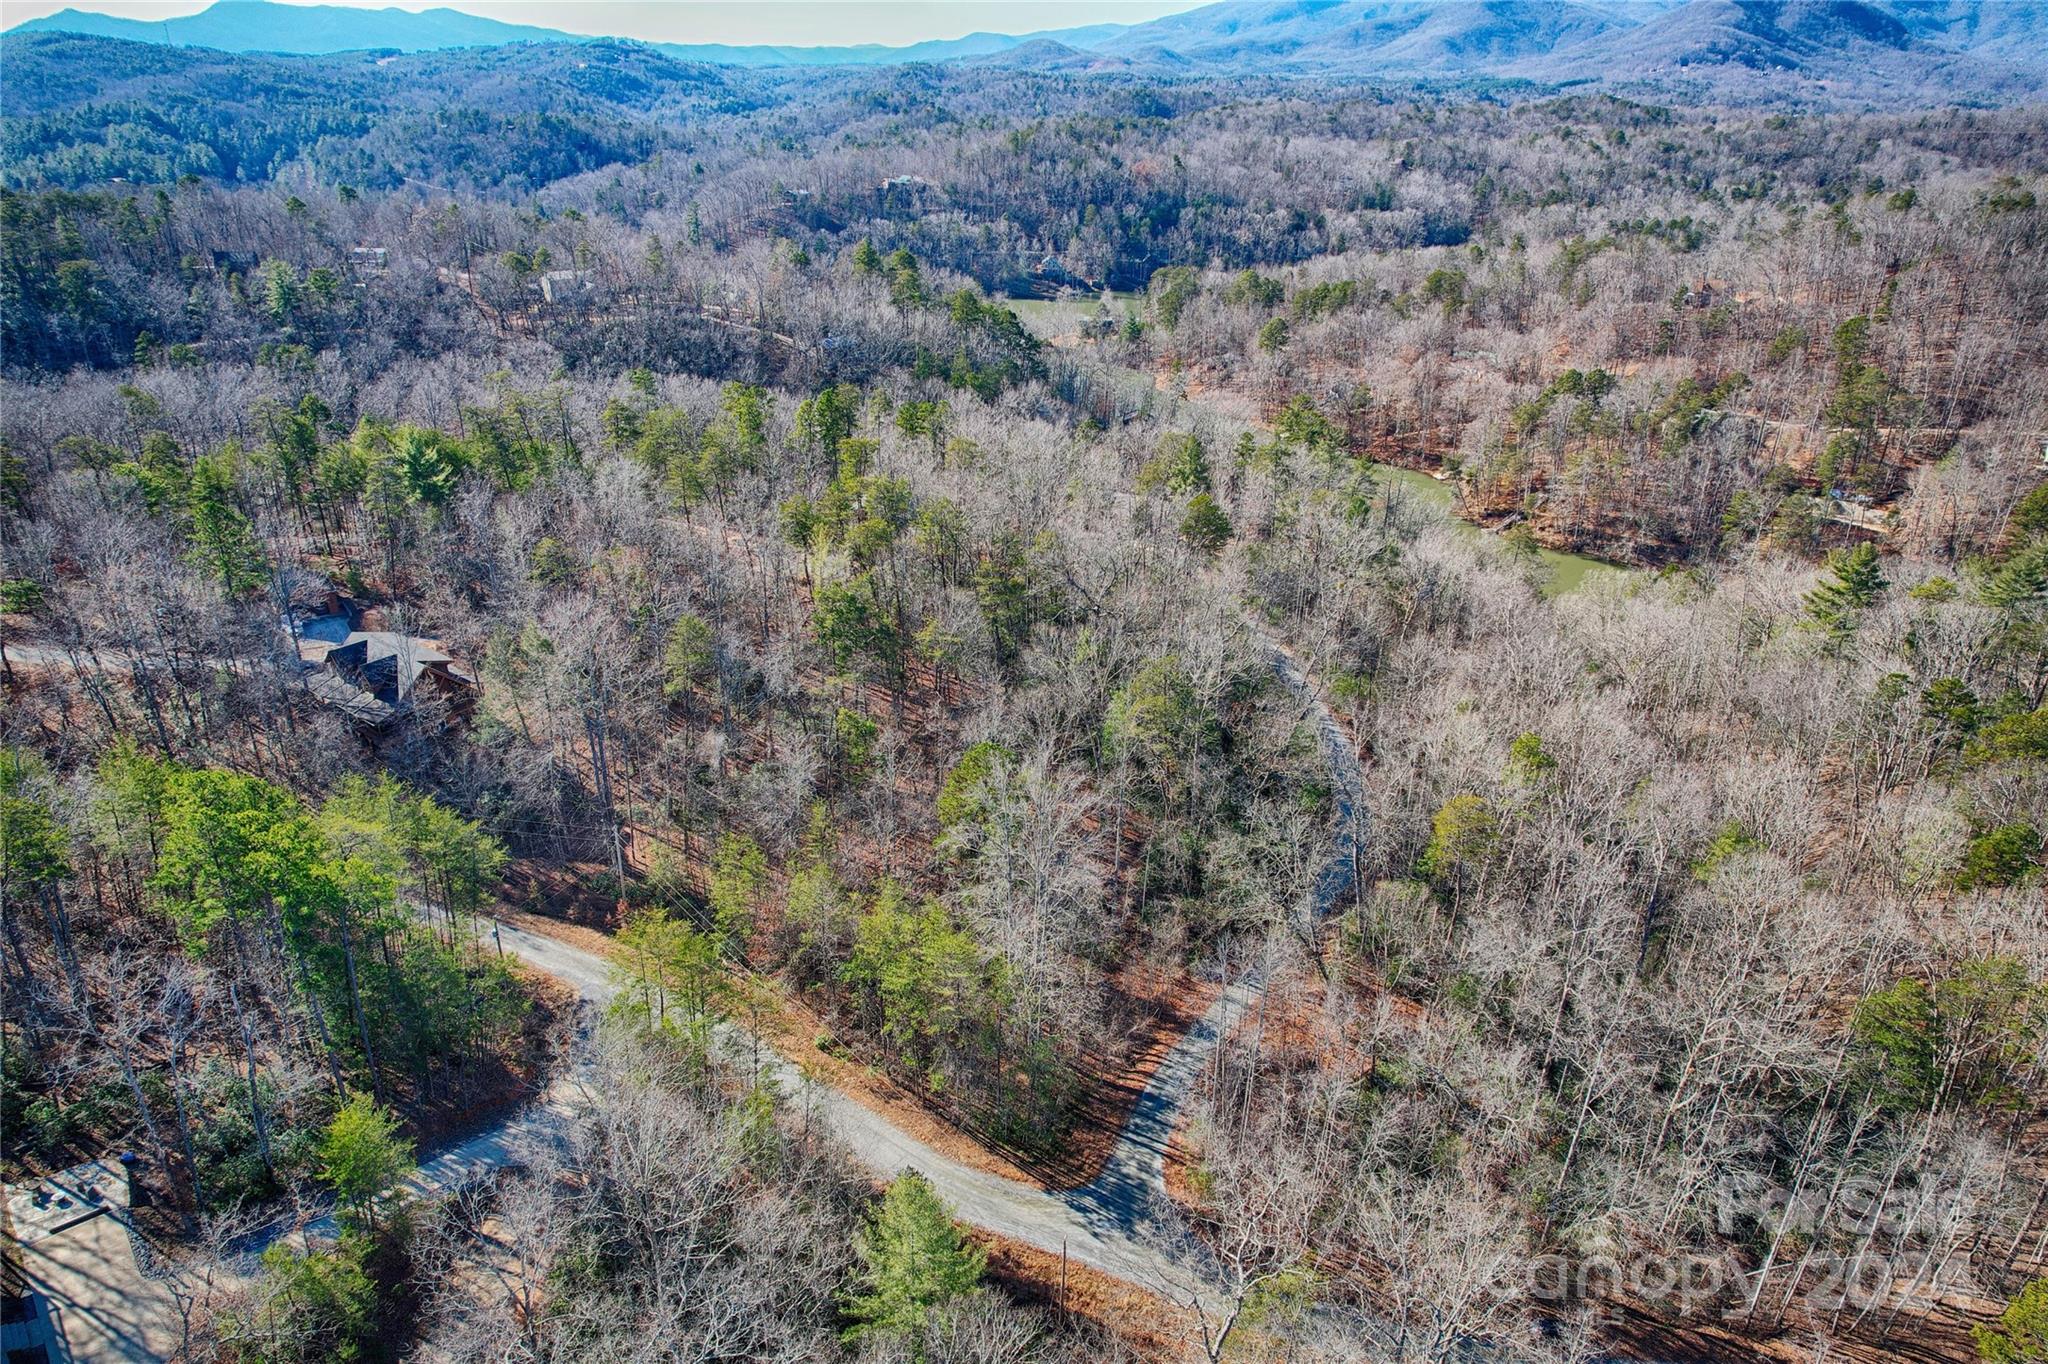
1890, 51
316, 30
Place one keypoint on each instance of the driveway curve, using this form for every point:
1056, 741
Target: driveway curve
1114, 1223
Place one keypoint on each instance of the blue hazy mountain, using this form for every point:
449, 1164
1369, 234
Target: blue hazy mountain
1387, 36
1581, 39
315, 30
262, 26
1889, 48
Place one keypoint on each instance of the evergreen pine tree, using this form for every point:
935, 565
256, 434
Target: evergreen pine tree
1854, 582
223, 541
912, 1259
2021, 582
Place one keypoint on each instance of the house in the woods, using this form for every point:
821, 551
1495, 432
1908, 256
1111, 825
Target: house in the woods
564, 286
375, 676
1048, 277
908, 192
1101, 324
1706, 293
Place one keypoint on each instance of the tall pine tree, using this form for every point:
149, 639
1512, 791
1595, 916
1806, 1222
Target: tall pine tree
912, 1259
1853, 583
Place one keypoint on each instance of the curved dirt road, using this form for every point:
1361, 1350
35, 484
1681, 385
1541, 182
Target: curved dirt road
1112, 1223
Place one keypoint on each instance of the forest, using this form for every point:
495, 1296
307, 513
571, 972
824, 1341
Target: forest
954, 713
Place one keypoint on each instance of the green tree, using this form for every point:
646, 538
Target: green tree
552, 563
1958, 1042
912, 1259
1528, 761
1787, 343
2011, 738
963, 794
1462, 833
35, 859
21, 595
941, 534
926, 420
2020, 583
2002, 856
1853, 583
1249, 287
1446, 286
739, 871
664, 967
363, 1155
851, 622
246, 875
854, 736
663, 441
923, 982
690, 660
451, 862
1896, 1032
1274, 335
323, 285
827, 419
2021, 1335
1160, 724
223, 540
1205, 527
2029, 517
312, 1305
78, 288
906, 283
426, 464
1171, 290
1005, 588
1181, 466
280, 283
14, 478
1301, 425
737, 441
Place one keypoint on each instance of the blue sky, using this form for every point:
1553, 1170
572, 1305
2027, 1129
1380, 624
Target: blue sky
803, 22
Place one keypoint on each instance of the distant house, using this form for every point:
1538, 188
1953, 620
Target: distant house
908, 191
370, 259
564, 286
1707, 293
1048, 277
375, 676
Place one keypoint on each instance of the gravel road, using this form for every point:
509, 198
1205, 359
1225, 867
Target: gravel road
1113, 1223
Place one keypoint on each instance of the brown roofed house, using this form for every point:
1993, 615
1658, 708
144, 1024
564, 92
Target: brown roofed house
375, 676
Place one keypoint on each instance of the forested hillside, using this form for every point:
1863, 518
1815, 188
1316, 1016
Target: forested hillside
973, 714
